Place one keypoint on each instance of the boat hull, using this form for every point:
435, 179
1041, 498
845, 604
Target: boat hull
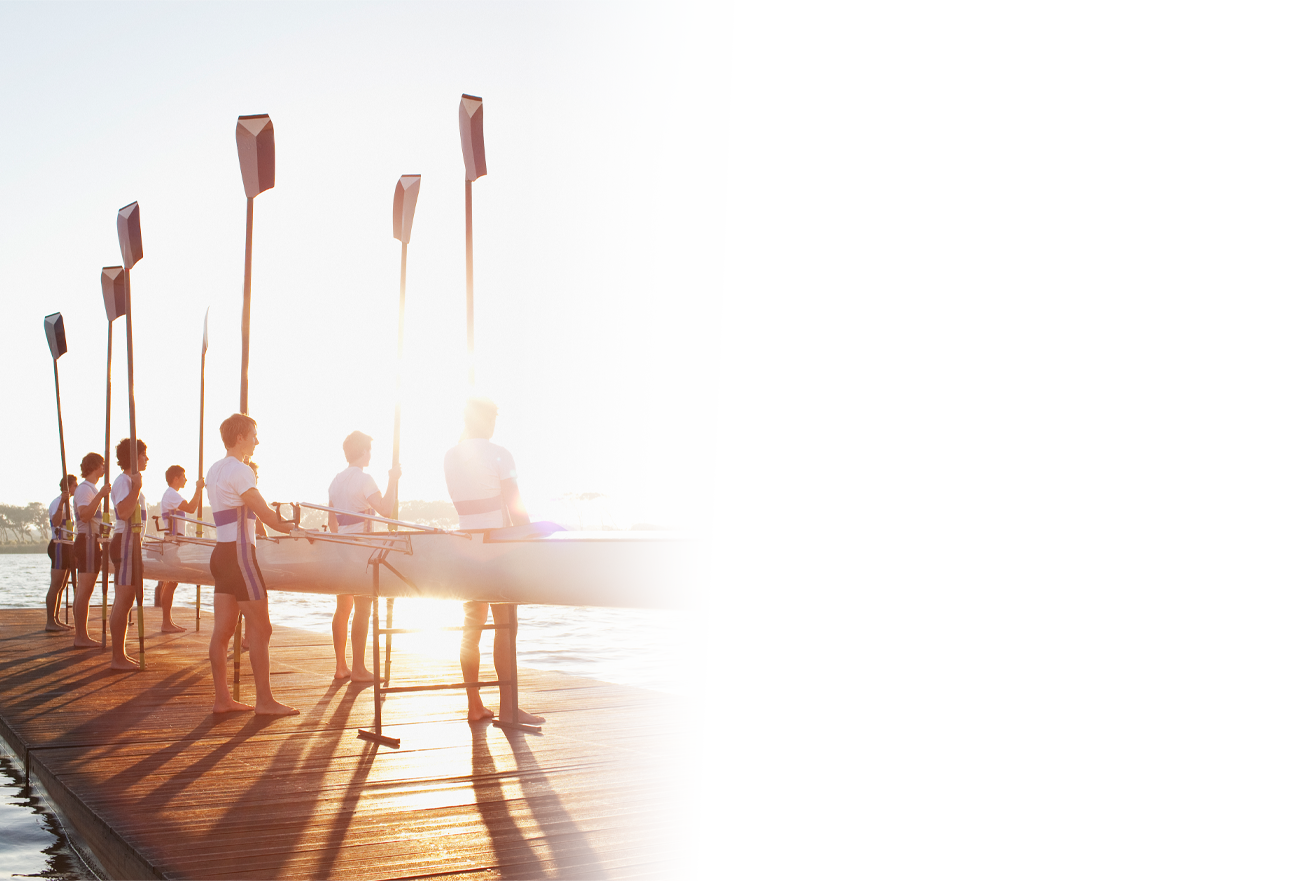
625, 570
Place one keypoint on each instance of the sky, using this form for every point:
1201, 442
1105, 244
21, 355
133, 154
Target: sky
1034, 383
596, 238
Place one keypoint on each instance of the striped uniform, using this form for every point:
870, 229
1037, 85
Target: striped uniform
61, 548
233, 562
349, 491
170, 502
129, 566
88, 556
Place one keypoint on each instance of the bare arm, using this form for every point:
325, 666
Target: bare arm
125, 508
190, 506
264, 513
384, 504
514, 504
85, 512
333, 525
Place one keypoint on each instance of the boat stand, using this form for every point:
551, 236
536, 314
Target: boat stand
508, 687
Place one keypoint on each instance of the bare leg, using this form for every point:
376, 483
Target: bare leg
222, 631
81, 610
476, 615
340, 633
258, 631
57, 578
504, 663
119, 623
166, 589
362, 617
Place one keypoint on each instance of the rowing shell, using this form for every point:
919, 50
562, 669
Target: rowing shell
648, 570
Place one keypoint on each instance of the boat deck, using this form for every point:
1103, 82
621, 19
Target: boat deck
158, 787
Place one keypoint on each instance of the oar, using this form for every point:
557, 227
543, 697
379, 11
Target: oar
405, 206
131, 240
114, 303
256, 154
470, 119
201, 447
58, 348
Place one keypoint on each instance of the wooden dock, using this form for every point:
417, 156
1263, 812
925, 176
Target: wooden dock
158, 787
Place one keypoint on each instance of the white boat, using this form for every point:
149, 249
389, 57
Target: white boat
626, 569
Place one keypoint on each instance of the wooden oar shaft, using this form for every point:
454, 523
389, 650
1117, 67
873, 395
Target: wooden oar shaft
470, 284
107, 477
201, 442
398, 374
246, 306
128, 536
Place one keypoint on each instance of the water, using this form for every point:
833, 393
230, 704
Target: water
643, 648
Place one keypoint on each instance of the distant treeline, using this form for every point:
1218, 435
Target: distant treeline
29, 524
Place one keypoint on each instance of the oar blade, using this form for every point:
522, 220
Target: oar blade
56, 335
405, 205
206, 329
128, 234
470, 117
113, 279
255, 152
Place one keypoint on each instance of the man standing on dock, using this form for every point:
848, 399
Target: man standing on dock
239, 586
355, 491
484, 490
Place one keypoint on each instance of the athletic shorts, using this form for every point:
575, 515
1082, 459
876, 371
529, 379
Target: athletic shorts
114, 550
237, 573
61, 556
88, 554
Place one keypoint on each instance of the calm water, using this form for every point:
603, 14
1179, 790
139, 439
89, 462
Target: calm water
642, 648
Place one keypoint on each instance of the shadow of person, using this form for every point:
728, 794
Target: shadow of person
566, 850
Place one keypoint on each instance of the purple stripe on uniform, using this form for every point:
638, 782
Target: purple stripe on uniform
246, 560
349, 520
225, 517
478, 506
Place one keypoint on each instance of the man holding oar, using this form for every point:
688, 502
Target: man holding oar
89, 561
60, 553
126, 549
239, 587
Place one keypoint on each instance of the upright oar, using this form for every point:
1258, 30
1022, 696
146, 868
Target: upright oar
58, 348
114, 303
201, 447
255, 153
130, 237
470, 119
405, 206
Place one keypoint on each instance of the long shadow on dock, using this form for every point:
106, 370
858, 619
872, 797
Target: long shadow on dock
516, 854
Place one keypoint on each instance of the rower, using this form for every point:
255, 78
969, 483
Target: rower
87, 504
236, 506
60, 554
126, 549
172, 504
354, 490
482, 483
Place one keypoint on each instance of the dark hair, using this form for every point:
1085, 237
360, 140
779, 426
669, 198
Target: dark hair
234, 427
356, 445
123, 452
68, 483
89, 463
172, 472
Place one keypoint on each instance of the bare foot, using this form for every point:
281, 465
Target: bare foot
528, 718
127, 664
86, 642
478, 714
361, 676
273, 708
172, 627
341, 673
230, 706
56, 627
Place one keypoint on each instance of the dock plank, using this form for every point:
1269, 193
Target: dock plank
165, 789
